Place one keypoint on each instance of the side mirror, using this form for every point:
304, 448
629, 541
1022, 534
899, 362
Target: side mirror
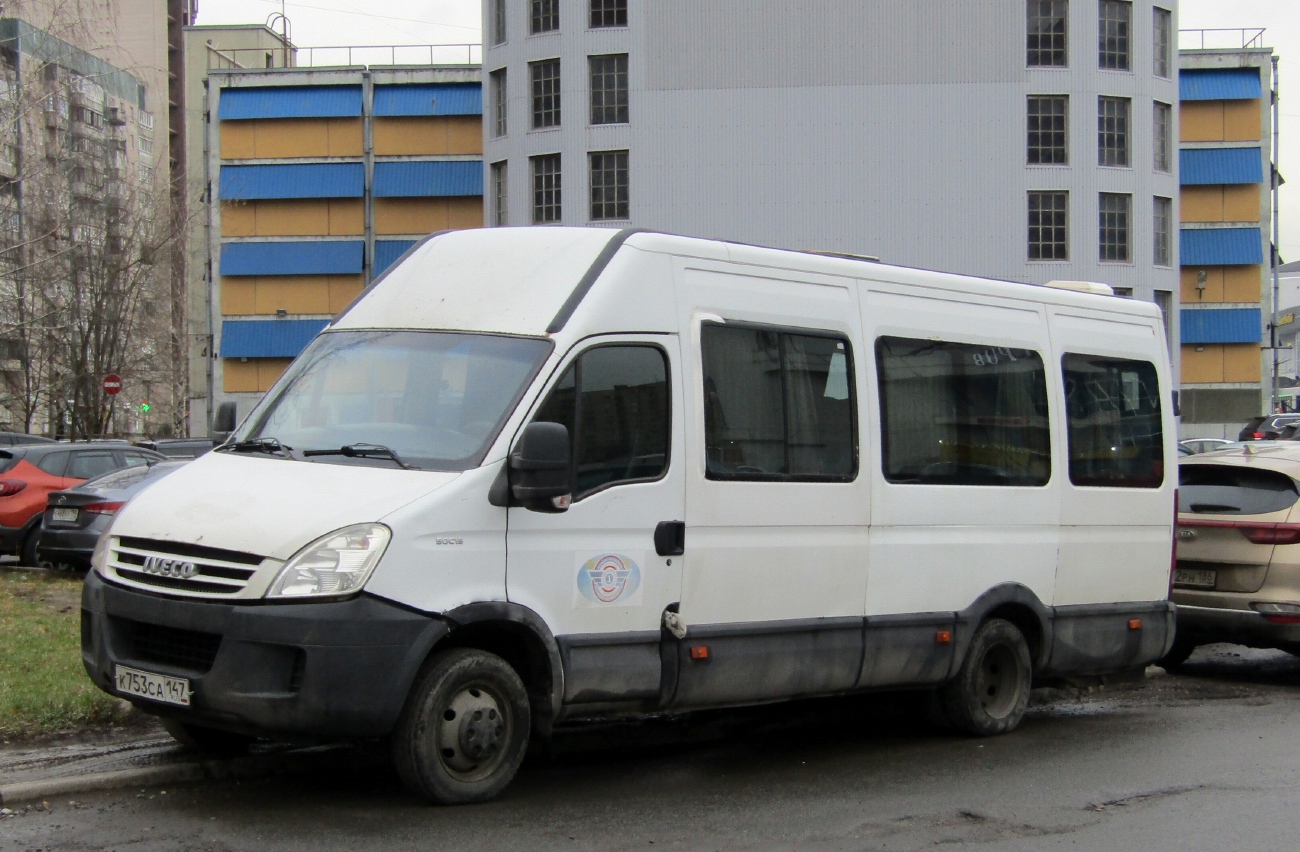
541, 471
224, 422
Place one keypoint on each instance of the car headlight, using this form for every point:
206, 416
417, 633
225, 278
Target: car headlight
333, 565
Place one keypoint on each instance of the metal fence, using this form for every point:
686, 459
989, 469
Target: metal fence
323, 57
1220, 39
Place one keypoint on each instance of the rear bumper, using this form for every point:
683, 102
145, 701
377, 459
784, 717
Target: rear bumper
1242, 627
65, 545
328, 669
11, 538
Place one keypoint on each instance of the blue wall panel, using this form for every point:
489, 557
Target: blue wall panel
313, 257
279, 338
1219, 84
429, 99
1220, 325
290, 102
305, 180
388, 251
1220, 165
1220, 246
422, 179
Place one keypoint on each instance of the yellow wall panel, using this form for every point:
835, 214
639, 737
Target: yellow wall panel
347, 217
1200, 121
1241, 203
238, 219
410, 215
305, 217
1203, 363
1213, 291
1201, 204
465, 212
1241, 362
239, 376
238, 296
343, 289
449, 134
294, 294
1241, 121
269, 370
295, 137
464, 134
238, 140
345, 137
1242, 283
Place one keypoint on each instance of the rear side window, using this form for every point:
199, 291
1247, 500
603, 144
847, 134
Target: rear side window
7, 461
1232, 490
962, 414
91, 464
614, 401
54, 463
1112, 408
778, 405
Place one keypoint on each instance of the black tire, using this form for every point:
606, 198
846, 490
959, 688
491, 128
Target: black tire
464, 730
207, 740
1177, 655
989, 695
27, 555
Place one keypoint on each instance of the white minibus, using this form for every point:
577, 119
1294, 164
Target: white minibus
534, 475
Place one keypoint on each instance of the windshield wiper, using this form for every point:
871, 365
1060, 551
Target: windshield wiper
363, 450
258, 445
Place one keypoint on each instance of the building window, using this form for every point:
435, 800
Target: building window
498, 84
546, 188
1048, 231
609, 196
608, 88
1162, 40
545, 16
1113, 34
1163, 231
777, 405
1163, 121
962, 414
1112, 131
1115, 211
1045, 33
500, 194
546, 92
1112, 414
608, 13
498, 21
1048, 120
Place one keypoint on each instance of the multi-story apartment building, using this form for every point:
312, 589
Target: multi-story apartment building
1226, 172
319, 179
1029, 141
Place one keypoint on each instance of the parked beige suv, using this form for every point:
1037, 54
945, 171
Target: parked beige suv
1237, 576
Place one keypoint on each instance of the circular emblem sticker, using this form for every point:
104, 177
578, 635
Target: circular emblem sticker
608, 579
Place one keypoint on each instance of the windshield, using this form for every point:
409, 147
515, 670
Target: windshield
435, 399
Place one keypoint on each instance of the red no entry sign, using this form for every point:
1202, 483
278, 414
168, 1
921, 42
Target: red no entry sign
112, 384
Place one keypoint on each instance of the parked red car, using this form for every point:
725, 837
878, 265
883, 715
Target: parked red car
28, 473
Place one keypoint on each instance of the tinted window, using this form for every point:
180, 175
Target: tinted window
614, 401
86, 465
1112, 408
137, 459
777, 405
1230, 490
53, 463
962, 414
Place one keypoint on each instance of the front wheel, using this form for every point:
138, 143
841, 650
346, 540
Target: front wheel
991, 691
464, 730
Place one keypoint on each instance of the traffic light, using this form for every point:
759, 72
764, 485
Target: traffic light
144, 408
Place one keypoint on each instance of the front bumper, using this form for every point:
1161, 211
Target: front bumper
327, 669
1204, 625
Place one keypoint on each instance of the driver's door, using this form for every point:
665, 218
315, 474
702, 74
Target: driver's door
593, 572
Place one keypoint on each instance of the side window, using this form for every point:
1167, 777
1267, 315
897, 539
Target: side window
614, 401
136, 459
91, 464
777, 405
962, 414
54, 463
1112, 409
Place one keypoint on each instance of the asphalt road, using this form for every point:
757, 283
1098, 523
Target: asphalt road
1209, 759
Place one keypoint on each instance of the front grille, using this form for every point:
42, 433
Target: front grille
215, 573
170, 646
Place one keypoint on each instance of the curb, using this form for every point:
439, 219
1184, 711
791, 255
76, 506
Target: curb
146, 776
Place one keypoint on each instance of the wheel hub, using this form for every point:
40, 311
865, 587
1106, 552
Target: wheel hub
471, 731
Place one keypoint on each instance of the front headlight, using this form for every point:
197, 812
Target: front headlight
333, 565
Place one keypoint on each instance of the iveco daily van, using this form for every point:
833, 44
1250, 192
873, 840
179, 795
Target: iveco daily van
538, 474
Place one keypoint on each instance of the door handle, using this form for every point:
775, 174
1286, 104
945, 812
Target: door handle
670, 538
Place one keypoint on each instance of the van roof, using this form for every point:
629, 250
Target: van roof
529, 280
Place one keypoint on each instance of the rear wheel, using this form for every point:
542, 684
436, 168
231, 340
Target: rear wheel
207, 740
27, 555
991, 691
464, 730
1177, 655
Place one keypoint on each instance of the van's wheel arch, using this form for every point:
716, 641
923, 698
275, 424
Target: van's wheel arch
991, 690
463, 732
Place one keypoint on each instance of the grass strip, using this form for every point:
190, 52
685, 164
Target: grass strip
43, 687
